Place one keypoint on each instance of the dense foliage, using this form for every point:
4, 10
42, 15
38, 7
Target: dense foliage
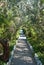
29, 14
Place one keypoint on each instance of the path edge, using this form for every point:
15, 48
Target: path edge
35, 54
12, 54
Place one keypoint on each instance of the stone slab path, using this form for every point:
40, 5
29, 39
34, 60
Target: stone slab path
22, 53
